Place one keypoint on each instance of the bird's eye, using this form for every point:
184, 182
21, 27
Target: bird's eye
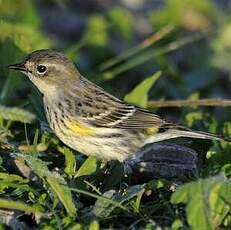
41, 69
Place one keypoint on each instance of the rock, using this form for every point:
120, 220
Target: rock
163, 161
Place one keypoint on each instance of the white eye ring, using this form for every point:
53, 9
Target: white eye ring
41, 69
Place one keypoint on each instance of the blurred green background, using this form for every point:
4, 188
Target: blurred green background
140, 51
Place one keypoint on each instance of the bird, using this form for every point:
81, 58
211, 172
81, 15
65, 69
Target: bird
90, 120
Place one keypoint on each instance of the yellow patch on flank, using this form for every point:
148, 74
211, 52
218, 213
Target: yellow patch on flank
79, 128
152, 130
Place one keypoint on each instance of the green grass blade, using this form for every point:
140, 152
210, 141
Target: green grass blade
105, 199
17, 205
139, 95
88, 167
135, 50
64, 195
16, 114
55, 181
153, 53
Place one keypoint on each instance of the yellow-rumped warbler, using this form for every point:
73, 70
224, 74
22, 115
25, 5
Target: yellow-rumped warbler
90, 120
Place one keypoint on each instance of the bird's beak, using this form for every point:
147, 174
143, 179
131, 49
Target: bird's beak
20, 67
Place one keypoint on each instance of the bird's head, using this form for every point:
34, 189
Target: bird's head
49, 70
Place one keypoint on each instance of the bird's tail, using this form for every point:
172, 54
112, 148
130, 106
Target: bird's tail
175, 133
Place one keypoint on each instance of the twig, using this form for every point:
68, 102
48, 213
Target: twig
23, 147
199, 102
153, 53
134, 50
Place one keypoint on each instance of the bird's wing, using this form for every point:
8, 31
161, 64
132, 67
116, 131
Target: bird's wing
108, 111
129, 118
126, 117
